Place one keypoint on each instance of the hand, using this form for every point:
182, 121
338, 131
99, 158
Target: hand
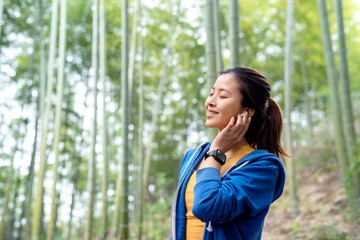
232, 135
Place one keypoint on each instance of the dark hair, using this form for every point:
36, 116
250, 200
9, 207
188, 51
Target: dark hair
266, 124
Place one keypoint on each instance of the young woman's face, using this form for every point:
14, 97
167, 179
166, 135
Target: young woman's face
223, 102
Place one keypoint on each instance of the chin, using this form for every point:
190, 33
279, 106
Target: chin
211, 125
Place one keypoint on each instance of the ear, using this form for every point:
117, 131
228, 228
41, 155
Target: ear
250, 111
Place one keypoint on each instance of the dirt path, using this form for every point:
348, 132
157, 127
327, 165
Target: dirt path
323, 211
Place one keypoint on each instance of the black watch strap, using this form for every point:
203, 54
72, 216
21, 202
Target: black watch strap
218, 155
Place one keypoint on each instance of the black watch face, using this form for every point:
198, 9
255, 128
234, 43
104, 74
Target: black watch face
221, 156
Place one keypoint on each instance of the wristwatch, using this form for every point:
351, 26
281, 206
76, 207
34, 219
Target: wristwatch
218, 155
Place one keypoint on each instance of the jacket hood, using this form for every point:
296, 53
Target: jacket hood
259, 155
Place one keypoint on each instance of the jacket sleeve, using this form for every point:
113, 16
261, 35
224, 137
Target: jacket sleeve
247, 190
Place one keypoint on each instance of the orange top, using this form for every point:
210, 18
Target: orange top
194, 227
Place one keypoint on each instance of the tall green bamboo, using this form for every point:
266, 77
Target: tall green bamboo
234, 33
102, 73
139, 202
36, 224
60, 83
141, 199
307, 97
140, 151
92, 160
210, 43
217, 37
346, 103
288, 106
133, 48
25, 233
121, 213
131, 76
336, 106
210, 50
42, 73
124, 193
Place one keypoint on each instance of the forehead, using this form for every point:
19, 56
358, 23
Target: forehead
227, 81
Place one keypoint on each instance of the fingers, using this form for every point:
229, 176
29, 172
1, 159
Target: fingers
246, 122
238, 123
231, 124
239, 118
242, 123
232, 121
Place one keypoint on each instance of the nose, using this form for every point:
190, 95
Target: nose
211, 101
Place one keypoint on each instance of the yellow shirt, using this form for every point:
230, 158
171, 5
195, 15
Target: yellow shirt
194, 227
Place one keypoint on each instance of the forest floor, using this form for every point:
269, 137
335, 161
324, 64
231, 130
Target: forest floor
324, 214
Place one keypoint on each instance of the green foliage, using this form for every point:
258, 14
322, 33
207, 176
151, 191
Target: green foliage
294, 228
158, 224
323, 232
320, 150
3, 174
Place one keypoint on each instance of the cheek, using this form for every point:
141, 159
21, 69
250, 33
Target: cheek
225, 116
234, 109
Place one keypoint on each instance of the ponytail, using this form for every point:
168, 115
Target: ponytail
269, 136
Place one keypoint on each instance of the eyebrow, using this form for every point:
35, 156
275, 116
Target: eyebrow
222, 89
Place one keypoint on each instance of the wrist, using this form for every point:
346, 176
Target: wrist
217, 155
210, 162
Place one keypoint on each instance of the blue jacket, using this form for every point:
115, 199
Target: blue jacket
235, 206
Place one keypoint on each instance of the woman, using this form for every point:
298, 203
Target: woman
226, 186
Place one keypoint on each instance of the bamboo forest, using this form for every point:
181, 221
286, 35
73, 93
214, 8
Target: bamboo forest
101, 99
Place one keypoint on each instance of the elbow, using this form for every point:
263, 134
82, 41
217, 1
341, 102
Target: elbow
202, 211
198, 211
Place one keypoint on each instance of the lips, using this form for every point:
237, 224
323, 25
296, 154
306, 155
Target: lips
211, 113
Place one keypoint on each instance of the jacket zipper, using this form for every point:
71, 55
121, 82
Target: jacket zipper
173, 207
